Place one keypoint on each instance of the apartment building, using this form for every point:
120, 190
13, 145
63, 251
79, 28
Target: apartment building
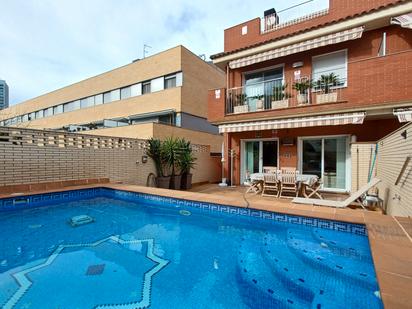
158, 96
4, 94
299, 91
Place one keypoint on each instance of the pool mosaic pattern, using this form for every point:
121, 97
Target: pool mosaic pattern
142, 251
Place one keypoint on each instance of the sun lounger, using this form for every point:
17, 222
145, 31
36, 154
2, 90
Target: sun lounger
353, 198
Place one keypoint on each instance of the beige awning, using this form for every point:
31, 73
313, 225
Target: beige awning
404, 21
403, 114
338, 37
290, 123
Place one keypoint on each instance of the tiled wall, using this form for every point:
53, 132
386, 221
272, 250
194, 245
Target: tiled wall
36, 156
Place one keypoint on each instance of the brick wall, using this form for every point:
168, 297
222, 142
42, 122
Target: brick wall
35, 156
338, 9
372, 80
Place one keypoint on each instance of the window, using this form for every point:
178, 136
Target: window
39, 114
25, 118
146, 87
107, 97
58, 109
87, 102
125, 92
71, 106
157, 84
98, 99
136, 90
115, 94
32, 116
170, 81
48, 112
331, 63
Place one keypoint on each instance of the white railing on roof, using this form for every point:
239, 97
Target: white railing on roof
270, 23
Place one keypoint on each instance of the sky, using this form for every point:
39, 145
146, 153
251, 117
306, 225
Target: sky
48, 44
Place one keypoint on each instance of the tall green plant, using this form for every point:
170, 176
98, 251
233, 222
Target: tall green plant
170, 153
325, 82
302, 86
154, 151
279, 92
186, 159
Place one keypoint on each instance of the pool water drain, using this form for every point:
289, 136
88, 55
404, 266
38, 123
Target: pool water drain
185, 212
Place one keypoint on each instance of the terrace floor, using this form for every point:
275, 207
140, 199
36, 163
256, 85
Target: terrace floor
390, 237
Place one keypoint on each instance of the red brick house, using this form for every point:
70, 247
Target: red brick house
300, 91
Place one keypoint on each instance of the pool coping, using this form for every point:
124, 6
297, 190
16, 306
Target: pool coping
389, 237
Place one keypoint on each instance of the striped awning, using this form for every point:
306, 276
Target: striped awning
338, 37
403, 114
404, 21
290, 123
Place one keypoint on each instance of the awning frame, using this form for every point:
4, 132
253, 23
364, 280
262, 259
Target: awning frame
337, 37
291, 123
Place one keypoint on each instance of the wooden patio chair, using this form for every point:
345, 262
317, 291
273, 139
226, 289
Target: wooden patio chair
288, 182
270, 170
270, 184
313, 191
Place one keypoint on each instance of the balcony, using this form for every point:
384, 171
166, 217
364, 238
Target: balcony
278, 94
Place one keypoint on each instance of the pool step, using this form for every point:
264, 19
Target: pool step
327, 259
258, 285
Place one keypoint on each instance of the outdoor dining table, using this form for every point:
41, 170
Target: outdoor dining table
303, 180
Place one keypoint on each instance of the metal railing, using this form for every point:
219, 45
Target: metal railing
280, 94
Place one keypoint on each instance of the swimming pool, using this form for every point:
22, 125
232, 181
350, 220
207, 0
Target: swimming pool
145, 250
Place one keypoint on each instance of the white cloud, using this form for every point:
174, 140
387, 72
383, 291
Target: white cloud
45, 45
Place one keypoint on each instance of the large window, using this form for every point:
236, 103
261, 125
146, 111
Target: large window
336, 62
58, 109
125, 92
87, 102
98, 99
48, 112
146, 87
170, 81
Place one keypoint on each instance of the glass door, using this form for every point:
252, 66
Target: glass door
326, 158
261, 84
256, 154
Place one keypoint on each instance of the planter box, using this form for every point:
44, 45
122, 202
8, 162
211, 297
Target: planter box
241, 109
259, 105
326, 97
280, 104
186, 182
302, 99
175, 182
163, 182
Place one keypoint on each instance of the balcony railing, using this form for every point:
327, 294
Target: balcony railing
280, 94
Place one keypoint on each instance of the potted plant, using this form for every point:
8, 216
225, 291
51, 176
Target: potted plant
171, 153
325, 83
155, 152
186, 163
280, 97
241, 105
259, 102
302, 87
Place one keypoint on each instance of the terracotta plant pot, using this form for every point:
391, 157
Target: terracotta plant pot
163, 182
186, 182
326, 97
280, 104
175, 182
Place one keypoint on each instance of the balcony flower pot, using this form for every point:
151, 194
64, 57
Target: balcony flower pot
175, 182
327, 97
325, 83
302, 99
302, 86
186, 182
280, 104
260, 105
241, 109
163, 182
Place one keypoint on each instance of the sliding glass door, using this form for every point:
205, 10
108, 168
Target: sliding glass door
256, 154
326, 158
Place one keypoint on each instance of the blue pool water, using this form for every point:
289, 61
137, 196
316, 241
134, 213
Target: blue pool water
145, 251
